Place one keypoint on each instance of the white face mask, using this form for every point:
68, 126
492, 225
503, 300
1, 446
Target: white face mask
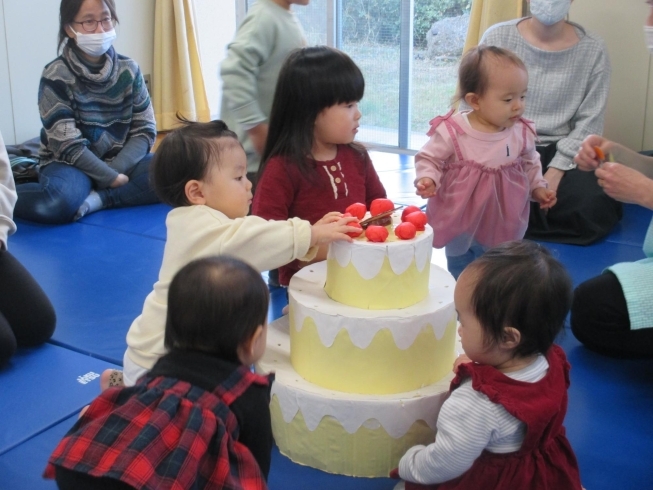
95, 44
648, 33
548, 12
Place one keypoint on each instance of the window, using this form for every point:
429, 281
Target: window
408, 51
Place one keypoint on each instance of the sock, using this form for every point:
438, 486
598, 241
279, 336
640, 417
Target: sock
92, 203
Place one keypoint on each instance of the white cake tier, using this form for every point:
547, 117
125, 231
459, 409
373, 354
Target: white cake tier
360, 435
355, 350
380, 276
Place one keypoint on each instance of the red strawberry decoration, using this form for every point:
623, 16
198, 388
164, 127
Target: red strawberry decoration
355, 234
406, 231
376, 233
417, 218
379, 206
357, 209
407, 210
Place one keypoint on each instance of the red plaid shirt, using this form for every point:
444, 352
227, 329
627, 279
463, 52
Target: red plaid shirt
164, 433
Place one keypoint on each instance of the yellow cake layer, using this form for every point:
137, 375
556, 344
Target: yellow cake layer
380, 368
368, 452
385, 291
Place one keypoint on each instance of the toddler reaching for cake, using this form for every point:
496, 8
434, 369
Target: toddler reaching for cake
501, 427
200, 170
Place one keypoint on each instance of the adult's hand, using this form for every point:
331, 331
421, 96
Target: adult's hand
586, 158
258, 135
625, 184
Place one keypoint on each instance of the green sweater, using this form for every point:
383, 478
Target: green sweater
636, 279
250, 70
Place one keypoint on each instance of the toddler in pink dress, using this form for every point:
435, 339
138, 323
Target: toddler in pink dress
480, 168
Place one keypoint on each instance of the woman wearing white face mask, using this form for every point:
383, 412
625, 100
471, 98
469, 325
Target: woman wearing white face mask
98, 123
613, 313
568, 81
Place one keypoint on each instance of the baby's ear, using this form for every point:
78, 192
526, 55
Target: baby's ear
472, 100
247, 350
193, 191
510, 338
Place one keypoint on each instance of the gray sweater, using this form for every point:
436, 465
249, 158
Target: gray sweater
7, 196
251, 69
567, 90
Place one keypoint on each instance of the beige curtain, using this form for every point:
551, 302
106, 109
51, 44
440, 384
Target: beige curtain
177, 84
488, 12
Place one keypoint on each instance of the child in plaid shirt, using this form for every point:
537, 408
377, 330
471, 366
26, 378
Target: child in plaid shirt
199, 409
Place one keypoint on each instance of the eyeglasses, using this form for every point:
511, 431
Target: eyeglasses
91, 25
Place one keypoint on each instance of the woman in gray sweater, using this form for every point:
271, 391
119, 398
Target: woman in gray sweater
568, 82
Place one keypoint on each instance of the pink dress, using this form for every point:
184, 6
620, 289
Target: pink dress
484, 182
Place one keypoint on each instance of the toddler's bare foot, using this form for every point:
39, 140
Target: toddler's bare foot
111, 378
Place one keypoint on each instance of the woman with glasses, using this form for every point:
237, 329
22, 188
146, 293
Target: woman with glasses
98, 123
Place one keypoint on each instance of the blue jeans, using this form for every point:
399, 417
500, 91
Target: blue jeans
62, 188
457, 263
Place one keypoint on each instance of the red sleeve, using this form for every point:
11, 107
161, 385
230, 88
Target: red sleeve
373, 187
274, 192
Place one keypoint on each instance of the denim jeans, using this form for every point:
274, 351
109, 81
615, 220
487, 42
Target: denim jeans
457, 263
62, 188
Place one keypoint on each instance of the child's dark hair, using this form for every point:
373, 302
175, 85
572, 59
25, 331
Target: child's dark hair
311, 79
215, 304
473, 70
184, 155
521, 285
68, 10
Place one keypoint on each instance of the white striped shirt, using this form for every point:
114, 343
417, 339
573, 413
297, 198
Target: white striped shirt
468, 423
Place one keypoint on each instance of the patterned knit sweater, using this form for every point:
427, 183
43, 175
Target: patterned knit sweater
91, 112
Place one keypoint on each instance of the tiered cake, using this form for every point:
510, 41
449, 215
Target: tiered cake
363, 360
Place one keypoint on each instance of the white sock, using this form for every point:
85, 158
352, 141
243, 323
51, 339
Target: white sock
92, 203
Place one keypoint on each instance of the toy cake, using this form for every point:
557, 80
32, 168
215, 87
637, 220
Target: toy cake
363, 360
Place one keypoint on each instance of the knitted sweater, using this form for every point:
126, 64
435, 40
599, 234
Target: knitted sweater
91, 113
636, 279
7, 196
251, 69
567, 90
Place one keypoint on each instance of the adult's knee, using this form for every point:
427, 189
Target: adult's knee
8, 343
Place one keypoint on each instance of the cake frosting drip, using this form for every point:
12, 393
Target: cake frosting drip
308, 299
367, 257
395, 413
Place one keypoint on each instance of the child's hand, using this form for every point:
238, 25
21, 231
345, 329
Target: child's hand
331, 217
546, 197
122, 179
330, 228
425, 187
461, 359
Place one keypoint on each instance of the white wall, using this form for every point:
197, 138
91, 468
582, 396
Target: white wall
629, 115
25, 50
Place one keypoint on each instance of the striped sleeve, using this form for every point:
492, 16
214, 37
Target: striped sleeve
468, 421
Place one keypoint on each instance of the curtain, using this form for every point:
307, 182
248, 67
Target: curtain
486, 13
177, 84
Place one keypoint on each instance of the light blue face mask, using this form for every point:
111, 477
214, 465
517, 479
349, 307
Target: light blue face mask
549, 12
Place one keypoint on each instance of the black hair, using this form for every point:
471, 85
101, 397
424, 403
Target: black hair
69, 9
215, 304
473, 70
521, 285
311, 79
183, 155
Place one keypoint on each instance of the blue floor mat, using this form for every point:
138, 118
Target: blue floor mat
42, 386
632, 227
96, 278
149, 221
22, 467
